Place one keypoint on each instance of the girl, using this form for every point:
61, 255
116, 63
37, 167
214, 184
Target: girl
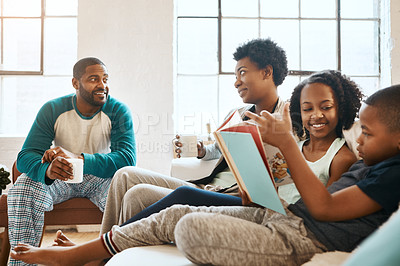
321, 107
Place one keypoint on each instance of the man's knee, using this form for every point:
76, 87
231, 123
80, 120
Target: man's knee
22, 185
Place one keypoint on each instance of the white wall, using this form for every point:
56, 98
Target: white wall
395, 35
135, 40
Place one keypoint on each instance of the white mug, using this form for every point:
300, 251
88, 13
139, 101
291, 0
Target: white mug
189, 145
77, 167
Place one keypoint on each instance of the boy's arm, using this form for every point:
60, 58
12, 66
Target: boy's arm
346, 204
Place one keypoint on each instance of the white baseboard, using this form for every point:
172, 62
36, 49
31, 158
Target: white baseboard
88, 228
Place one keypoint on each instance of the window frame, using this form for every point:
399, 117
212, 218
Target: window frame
43, 75
42, 18
294, 72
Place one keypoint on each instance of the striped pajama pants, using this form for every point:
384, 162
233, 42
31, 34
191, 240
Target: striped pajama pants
28, 200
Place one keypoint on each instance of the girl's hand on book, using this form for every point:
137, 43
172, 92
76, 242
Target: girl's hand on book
274, 130
245, 198
246, 201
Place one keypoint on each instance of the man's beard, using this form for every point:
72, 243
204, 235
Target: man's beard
89, 97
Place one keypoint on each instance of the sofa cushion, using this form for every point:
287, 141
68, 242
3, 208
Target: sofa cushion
166, 255
191, 168
381, 247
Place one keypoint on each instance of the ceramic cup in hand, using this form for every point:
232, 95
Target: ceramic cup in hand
188, 145
77, 167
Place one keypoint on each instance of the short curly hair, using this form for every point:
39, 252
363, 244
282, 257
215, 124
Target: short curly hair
346, 91
387, 101
80, 66
265, 52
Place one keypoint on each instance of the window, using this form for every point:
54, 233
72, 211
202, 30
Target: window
317, 35
38, 51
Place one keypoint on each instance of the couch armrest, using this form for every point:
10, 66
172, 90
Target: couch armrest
191, 168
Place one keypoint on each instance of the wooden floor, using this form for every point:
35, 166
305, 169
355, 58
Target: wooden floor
77, 238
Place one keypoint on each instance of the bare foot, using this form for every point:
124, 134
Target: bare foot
62, 240
47, 256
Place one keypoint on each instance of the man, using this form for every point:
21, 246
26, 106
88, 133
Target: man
89, 125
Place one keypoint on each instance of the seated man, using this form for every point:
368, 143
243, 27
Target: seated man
89, 125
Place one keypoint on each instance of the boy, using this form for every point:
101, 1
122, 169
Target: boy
360, 201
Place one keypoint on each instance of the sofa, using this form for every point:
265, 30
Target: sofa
169, 255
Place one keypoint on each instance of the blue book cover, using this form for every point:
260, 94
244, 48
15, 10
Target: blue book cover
249, 165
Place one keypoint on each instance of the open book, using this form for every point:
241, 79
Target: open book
243, 149
275, 159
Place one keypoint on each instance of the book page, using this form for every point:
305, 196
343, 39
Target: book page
232, 120
255, 133
278, 165
271, 155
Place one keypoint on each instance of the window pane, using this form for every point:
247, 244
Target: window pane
368, 85
22, 104
22, 8
360, 47
22, 44
285, 90
286, 34
237, 8
203, 8
228, 97
61, 7
318, 8
60, 61
318, 45
234, 33
359, 8
197, 98
197, 46
280, 9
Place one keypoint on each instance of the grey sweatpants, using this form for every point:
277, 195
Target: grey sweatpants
133, 189
224, 235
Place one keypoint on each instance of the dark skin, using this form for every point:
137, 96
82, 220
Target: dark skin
255, 86
319, 113
348, 203
91, 94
